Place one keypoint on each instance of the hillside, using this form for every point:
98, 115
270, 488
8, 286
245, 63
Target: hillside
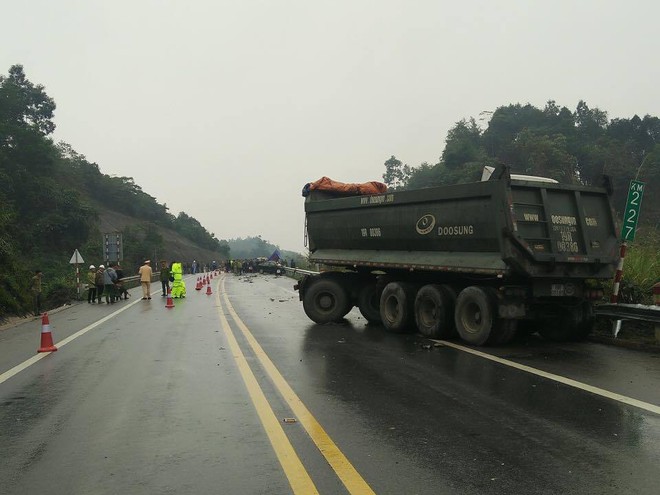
174, 245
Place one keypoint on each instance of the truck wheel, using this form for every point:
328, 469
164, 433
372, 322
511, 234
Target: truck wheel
584, 328
368, 302
434, 312
397, 306
326, 301
569, 324
504, 331
474, 315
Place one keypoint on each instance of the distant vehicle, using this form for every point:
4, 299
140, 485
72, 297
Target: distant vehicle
270, 267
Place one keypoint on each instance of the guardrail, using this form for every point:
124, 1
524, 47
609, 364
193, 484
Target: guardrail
297, 272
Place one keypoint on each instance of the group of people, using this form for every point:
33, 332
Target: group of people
106, 283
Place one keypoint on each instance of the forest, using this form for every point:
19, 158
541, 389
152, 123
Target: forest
573, 147
51, 197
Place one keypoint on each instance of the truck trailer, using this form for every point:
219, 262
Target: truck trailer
486, 260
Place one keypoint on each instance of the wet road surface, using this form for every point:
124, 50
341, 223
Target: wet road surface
192, 400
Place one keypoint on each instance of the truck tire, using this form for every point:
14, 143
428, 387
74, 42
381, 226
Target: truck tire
326, 301
585, 326
434, 312
570, 324
368, 302
397, 307
475, 315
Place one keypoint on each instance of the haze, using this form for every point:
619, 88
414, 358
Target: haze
225, 110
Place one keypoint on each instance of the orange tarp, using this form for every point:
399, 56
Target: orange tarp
327, 184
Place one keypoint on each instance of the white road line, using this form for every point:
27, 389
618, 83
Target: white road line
557, 378
29, 362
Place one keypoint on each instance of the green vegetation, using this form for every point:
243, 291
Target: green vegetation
50, 199
575, 147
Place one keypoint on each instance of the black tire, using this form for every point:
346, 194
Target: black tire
585, 327
397, 307
326, 301
569, 324
503, 332
475, 315
434, 312
368, 302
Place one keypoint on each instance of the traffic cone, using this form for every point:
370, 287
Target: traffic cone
46, 336
169, 304
208, 290
199, 284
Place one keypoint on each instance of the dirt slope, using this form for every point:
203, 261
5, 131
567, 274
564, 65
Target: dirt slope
175, 246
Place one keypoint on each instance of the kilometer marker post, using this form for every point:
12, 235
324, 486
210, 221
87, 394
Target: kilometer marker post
628, 229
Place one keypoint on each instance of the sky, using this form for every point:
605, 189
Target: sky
226, 109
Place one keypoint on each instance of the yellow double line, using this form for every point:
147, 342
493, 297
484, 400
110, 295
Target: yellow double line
299, 479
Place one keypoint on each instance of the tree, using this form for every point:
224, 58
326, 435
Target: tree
396, 174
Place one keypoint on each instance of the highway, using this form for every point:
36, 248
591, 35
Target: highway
238, 392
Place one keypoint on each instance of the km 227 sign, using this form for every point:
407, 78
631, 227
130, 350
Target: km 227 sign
631, 214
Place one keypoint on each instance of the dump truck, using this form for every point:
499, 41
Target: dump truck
487, 260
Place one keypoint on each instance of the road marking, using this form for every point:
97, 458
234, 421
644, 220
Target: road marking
348, 475
299, 479
29, 362
557, 378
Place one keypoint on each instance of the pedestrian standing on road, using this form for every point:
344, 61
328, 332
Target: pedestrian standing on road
91, 285
121, 288
35, 286
109, 280
164, 277
98, 279
145, 279
178, 285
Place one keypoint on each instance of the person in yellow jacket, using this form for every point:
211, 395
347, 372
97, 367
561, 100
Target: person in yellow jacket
176, 276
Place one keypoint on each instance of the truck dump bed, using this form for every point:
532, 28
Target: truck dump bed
497, 227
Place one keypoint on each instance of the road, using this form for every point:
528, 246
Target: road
237, 392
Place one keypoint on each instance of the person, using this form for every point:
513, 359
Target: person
164, 277
91, 285
145, 279
35, 286
121, 289
109, 280
178, 285
194, 267
98, 280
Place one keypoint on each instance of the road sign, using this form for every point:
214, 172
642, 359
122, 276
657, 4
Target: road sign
631, 213
113, 249
76, 258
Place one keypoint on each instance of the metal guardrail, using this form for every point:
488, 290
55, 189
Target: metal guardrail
629, 312
297, 272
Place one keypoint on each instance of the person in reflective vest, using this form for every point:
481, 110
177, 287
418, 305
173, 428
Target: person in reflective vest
176, 276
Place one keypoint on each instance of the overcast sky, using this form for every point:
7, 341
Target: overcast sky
225, 109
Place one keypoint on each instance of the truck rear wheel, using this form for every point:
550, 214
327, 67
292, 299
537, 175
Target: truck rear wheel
434, 312
368, 302
474, 315
326, 301
569, 324
397, 307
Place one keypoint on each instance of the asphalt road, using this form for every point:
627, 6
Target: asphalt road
237, 392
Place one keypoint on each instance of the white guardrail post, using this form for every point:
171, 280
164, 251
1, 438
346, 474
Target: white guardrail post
656, 302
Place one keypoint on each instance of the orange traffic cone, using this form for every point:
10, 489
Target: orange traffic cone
208, 290
169, 304
199, 284
46, 336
